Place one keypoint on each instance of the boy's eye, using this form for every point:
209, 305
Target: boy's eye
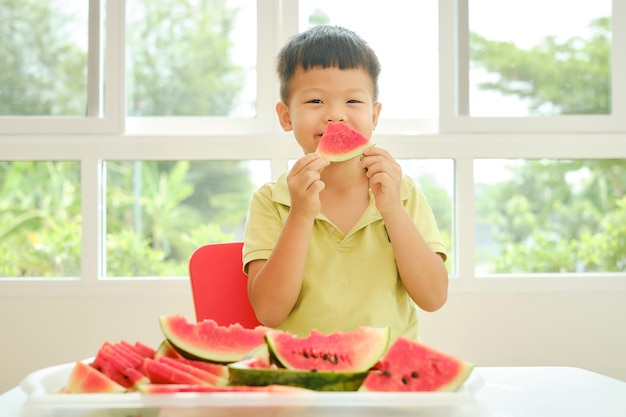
315, 101
354, 101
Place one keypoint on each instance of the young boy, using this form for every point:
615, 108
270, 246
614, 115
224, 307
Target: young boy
333, 246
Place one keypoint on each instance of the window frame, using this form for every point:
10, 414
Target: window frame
92, 140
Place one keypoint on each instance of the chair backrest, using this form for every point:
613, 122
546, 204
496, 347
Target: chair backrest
219, 286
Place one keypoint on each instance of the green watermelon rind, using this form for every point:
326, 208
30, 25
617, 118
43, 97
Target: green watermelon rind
336, 131
226, 345
348, 344
241, 375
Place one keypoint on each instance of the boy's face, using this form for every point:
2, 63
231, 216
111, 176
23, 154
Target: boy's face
320, 95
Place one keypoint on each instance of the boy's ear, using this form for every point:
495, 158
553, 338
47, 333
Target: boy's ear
282, 110
377, 107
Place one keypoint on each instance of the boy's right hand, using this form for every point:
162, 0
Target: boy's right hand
305, 185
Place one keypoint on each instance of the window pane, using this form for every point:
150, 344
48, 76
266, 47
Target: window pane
406, 45
535, 216
40, 219
191, 58
540, 58
43, 70
435, 177
158, 212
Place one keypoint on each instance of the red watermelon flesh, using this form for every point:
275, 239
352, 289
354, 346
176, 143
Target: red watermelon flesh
206, 376
354, 351
209, 341
173, 388
85, 378
215, 368
163, 373
340, 142
120, 364
411, 366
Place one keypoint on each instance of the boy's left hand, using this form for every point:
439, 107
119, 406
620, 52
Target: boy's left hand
385, 177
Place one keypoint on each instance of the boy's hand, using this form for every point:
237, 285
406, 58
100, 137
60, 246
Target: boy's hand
305, 185
385, 177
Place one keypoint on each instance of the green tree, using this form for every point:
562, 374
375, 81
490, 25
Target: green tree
572, 77
179, 58
540, 220
43, 66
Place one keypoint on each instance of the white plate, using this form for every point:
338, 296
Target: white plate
42, 401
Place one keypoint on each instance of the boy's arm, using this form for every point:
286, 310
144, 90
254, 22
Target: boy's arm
274, 284
422, 271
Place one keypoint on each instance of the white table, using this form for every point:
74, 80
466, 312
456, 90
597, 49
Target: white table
507, 391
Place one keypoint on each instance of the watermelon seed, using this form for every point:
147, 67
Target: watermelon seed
414, 374
386, 372
405, 380
305, 354
334, 360
325, 357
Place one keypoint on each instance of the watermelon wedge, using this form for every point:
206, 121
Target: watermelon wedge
340, 142
208, 341
354, 351
412, 366
87, 379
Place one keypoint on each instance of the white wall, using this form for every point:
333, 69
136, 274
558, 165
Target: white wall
495, 329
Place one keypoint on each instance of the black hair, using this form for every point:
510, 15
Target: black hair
326, 46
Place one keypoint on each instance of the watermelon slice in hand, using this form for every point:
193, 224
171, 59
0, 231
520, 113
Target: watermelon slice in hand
340, 142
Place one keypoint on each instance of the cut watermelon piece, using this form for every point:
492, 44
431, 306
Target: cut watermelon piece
162, 373
354, 351
174, 388
340, 142
209, 341
206, 376
411, 366
120, 364
84, 378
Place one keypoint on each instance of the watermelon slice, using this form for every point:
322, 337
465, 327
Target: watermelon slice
84, 378
411, 366
354, 351
207, 340
340, 142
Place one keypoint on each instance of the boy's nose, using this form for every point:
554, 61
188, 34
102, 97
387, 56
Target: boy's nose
336, 117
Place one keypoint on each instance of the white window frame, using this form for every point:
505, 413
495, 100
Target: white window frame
113, 137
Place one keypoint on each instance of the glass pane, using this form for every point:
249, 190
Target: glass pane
435, 177
158, 212
535, 216
191, 58
40, 219
540, 58
43, 70
409, 77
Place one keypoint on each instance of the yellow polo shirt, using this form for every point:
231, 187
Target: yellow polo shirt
349, 280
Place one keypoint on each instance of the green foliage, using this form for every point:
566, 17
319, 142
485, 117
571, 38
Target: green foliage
43, 67
554, 215
572, 77
179, 55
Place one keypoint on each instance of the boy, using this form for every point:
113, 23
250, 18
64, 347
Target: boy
333, 246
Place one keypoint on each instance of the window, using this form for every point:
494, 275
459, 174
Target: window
160, 122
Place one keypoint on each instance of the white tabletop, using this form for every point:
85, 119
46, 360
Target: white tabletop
506, 391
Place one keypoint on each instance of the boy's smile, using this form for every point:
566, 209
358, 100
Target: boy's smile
320, 95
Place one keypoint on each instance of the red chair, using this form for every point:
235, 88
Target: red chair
219, 286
